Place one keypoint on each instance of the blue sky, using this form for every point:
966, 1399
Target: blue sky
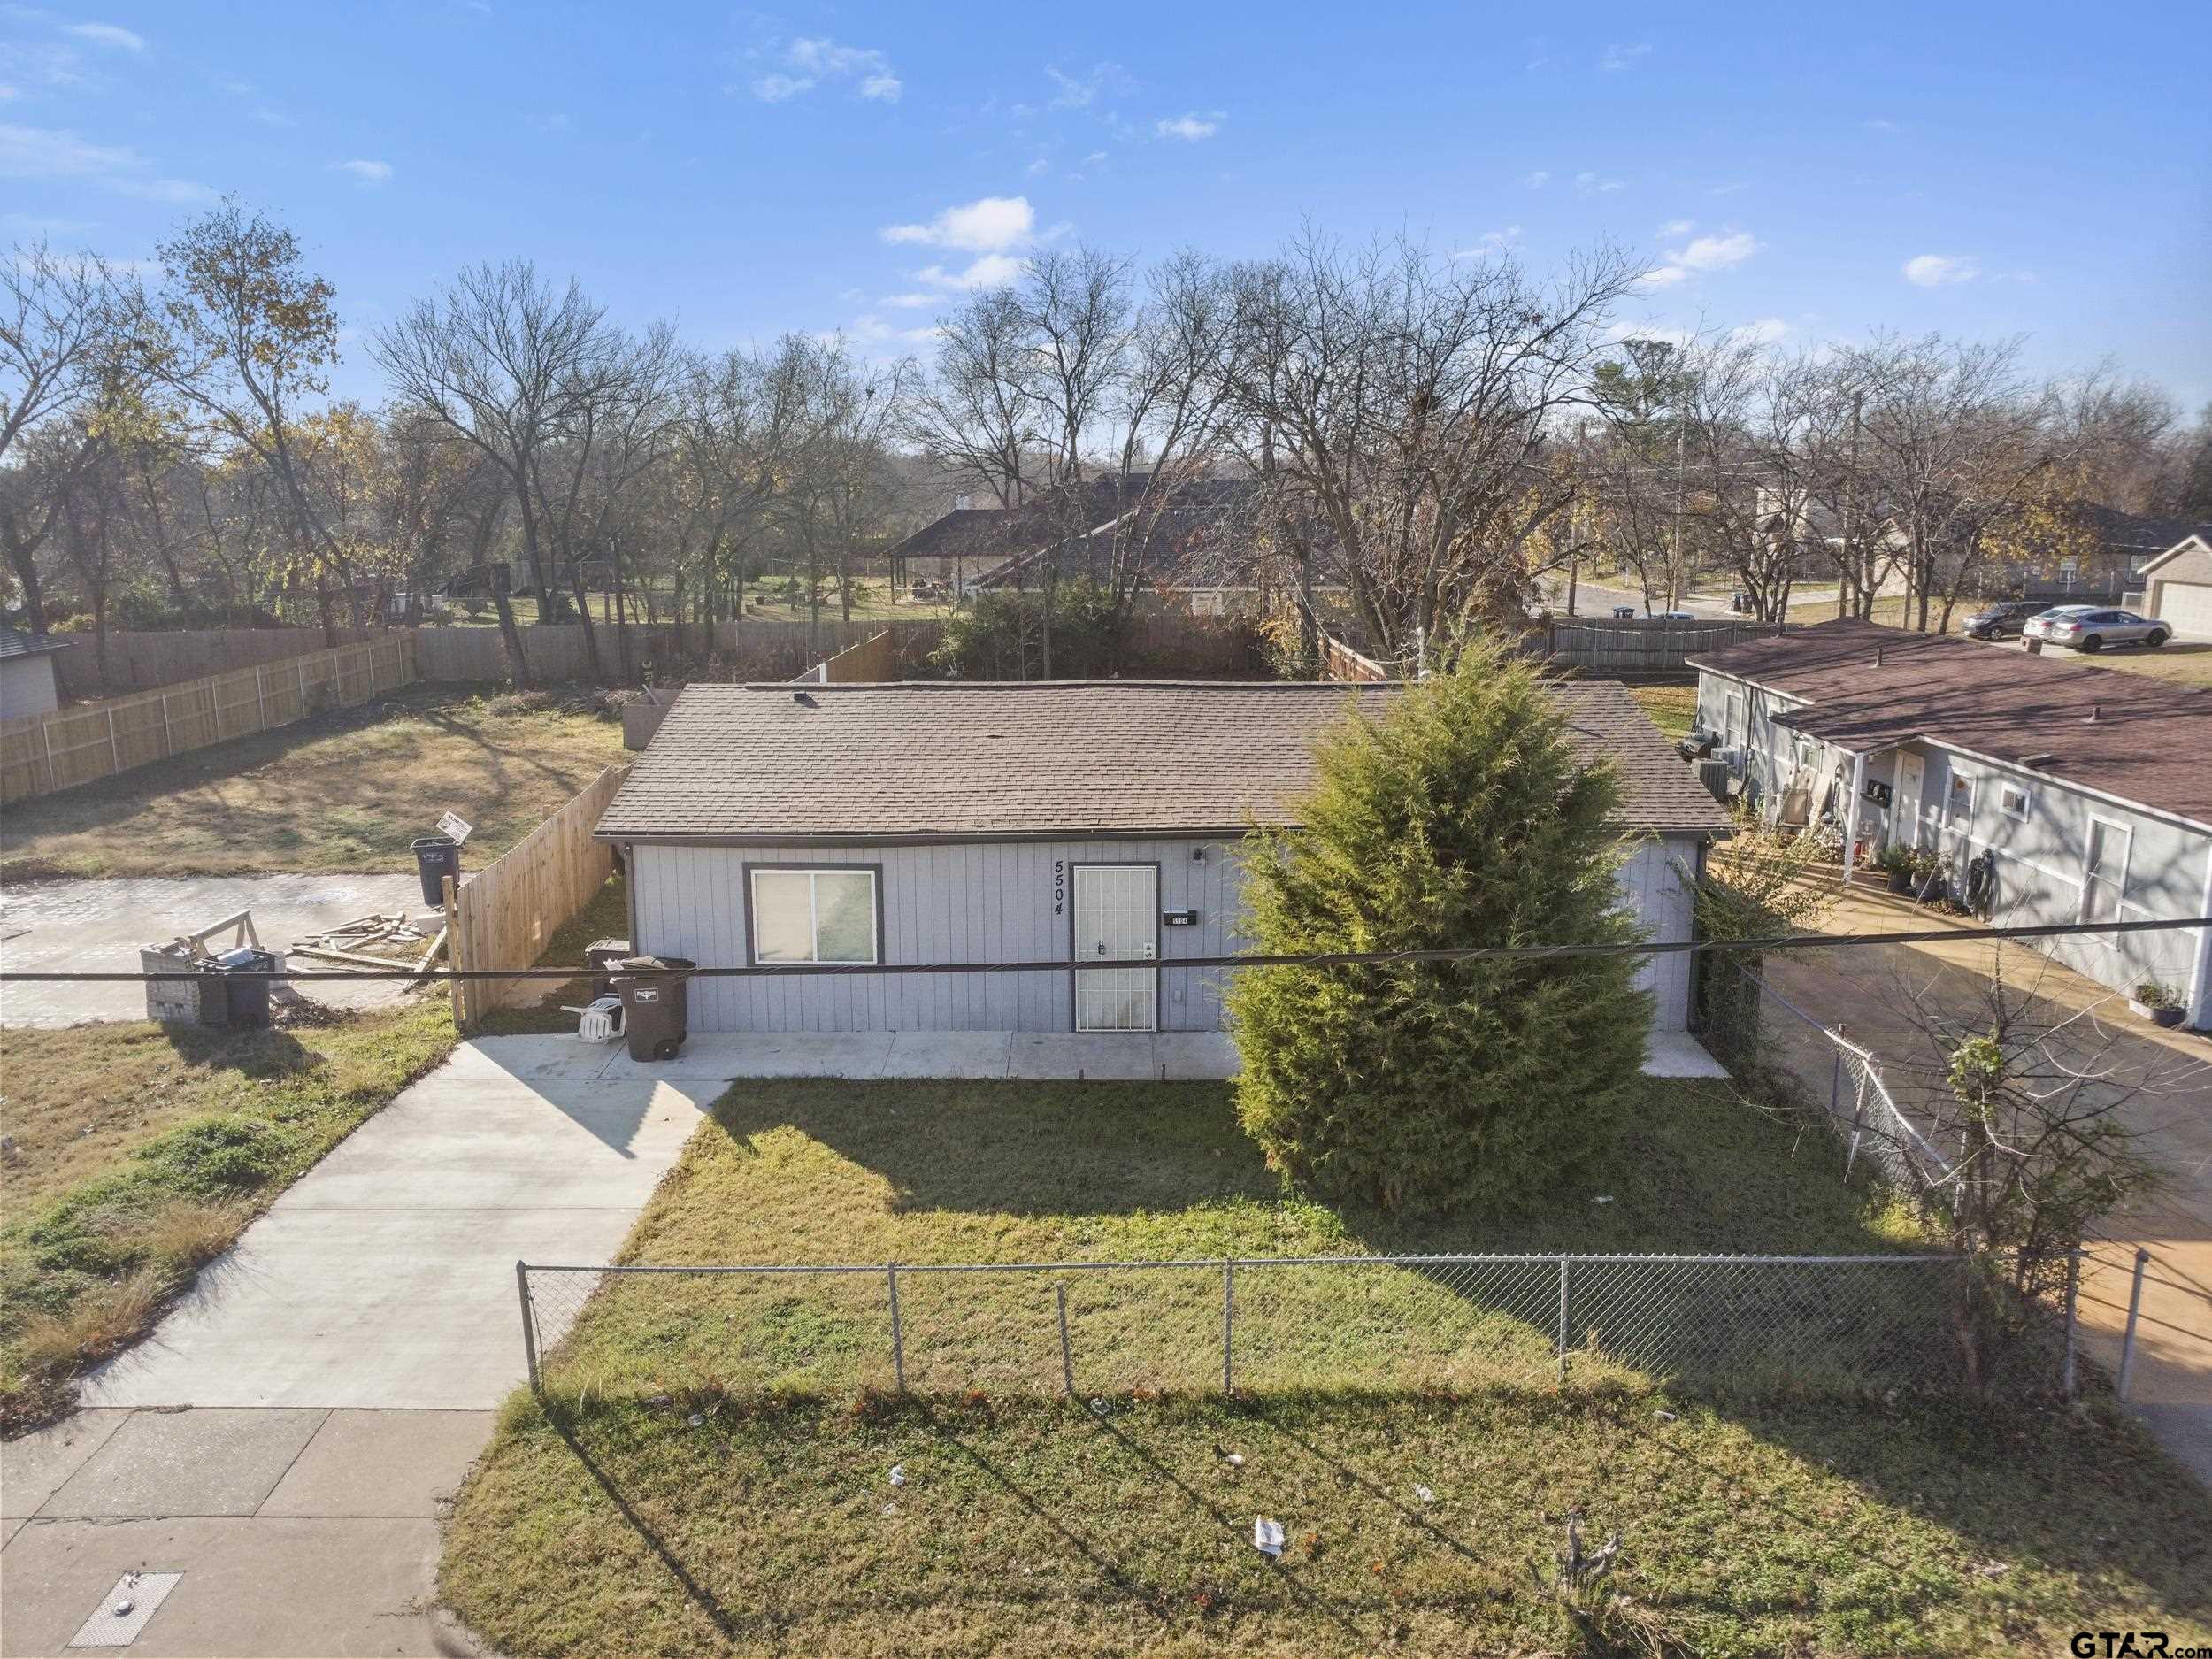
1815, 171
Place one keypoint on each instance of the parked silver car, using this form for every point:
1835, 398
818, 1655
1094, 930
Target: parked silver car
2090, 628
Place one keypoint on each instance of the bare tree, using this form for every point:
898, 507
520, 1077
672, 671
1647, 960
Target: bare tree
974, 414
1411, 406
498, 357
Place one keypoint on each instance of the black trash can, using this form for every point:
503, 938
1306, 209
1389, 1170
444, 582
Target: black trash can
436, 857
655, 1010
600, 956
228, 999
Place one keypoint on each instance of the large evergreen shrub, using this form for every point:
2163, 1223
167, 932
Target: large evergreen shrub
1457, 815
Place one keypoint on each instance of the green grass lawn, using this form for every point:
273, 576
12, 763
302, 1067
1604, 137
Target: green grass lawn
710, 1471
342, 791
141, 1150
1672, 709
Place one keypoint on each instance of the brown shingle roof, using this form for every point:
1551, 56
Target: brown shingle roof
2151, 742
947, 761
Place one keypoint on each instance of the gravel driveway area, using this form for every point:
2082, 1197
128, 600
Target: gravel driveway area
100, 925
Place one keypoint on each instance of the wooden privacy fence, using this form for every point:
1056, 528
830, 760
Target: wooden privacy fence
503, 916
64, 748
1606, 648
140, 662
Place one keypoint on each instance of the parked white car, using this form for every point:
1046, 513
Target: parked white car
2090, 628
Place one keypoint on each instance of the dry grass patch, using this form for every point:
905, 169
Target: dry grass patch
343, 791
142, 1151
1672, 709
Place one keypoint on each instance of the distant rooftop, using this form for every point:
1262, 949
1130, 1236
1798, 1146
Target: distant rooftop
16, 642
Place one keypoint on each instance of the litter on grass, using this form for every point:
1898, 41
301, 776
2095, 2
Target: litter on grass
898, 1474
1267, 1536
1424, 1495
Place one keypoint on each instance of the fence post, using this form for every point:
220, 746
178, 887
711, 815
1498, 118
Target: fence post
898, 1338
115, 750
2135, 1308
1228, 1327
1835, 1084
2073, 1293
261, 694
455, 956
1563, 1319
168, 735
1067, 1359
529, 1327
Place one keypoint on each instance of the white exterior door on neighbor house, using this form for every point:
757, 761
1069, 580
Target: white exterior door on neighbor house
1117, 918
1911, 771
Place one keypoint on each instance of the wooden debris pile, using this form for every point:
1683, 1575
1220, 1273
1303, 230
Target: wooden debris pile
374, 941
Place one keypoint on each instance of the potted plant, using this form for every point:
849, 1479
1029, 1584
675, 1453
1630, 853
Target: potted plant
1900, 863
2161, 1004
1931, 873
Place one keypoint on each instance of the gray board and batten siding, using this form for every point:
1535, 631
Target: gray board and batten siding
976, 806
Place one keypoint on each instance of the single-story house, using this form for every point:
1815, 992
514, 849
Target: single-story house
2177, 587
2090, 789
27, 673
1045, 821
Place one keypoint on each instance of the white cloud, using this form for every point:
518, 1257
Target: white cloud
873, 331
1621, 57
1039, 167
1190, 128
809, 61
1537, 179
109, 34
1491, 242
1730, 188
1879, 126
1592, 184
35, 153
1080, 93
912, 302
368, 172
1768, 331
1705, 253
1678, 227
990, 270
983, 226
1647, 331
1940, 270
1718, 253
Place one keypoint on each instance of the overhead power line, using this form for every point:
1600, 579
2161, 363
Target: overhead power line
1308, 959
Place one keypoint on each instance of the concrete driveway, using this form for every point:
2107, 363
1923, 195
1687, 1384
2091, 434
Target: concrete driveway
99, 925
286, 1439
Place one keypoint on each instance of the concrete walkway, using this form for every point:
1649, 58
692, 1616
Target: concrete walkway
1869, 989
99, 925
285, 1437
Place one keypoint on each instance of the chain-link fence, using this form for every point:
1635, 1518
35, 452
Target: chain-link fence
1719, 1322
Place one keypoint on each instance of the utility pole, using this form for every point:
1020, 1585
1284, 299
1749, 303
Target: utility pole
1675, 573
1850, 490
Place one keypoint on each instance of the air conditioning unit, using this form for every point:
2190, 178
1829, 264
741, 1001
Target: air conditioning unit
1730, 757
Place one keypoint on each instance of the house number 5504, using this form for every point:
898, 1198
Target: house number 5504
1059, 886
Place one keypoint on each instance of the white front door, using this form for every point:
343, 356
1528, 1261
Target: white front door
1906, 819
1117, 920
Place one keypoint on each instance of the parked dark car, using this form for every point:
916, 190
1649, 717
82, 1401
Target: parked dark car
2002, 619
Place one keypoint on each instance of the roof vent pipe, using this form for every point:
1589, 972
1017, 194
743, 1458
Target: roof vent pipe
2094, 710
1877, 657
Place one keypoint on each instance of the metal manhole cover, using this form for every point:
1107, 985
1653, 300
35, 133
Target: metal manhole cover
123, 1612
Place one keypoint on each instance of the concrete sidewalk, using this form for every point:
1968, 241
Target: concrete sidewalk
294, 1531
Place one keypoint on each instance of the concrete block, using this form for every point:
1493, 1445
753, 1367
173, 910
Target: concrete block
186, 1462
382, 1464
33, 1467
947, 1054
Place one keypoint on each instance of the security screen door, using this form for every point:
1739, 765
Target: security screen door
1117, 918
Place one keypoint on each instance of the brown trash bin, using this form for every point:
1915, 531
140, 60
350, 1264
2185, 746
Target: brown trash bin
655, 1006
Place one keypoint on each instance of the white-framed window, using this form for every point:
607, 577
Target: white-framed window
1958, 807
2012, 801
1735, 729
826, 915
2104, 873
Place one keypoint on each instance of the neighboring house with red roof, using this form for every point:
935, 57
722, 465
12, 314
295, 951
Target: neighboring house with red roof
1027, 822
2085, 794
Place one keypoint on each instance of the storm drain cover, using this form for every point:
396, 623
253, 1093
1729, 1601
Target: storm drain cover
123, 1612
